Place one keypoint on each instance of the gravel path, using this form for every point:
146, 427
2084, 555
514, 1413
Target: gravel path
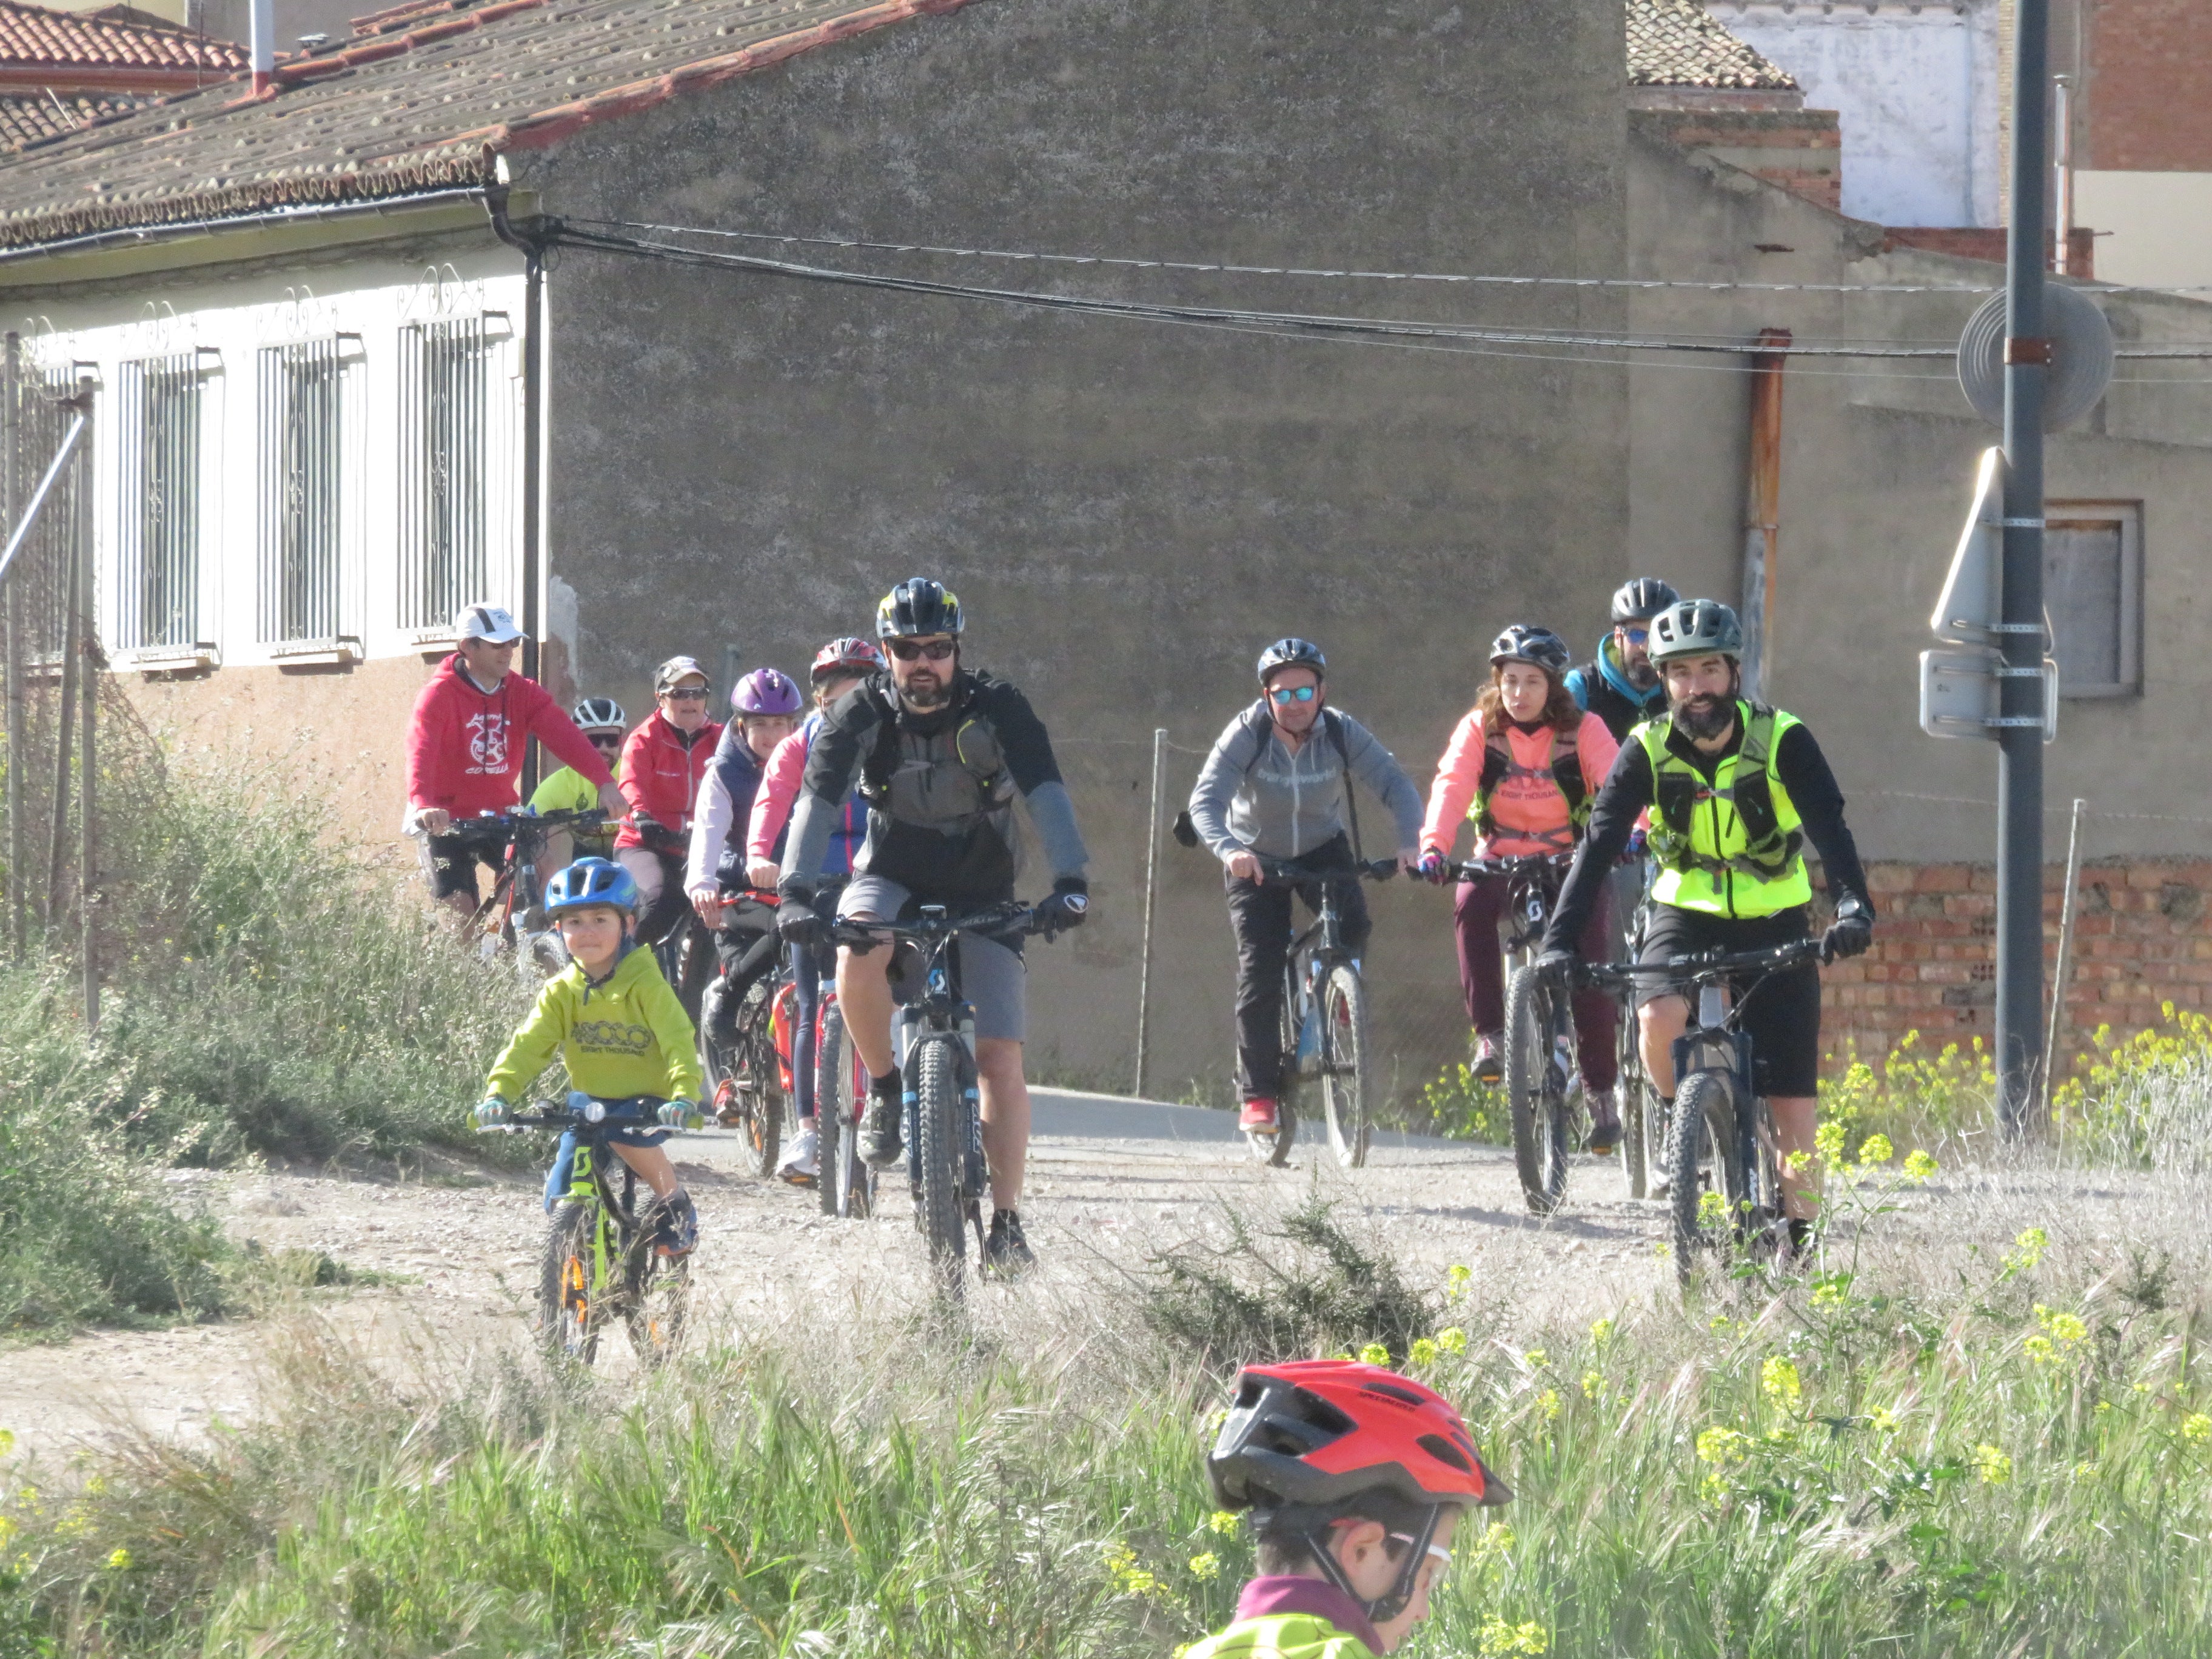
1109, 1180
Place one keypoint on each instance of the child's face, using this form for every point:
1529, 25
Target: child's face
1359, 1548
592, 936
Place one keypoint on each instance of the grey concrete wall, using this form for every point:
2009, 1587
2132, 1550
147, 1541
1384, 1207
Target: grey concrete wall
1130, 510
1878, 466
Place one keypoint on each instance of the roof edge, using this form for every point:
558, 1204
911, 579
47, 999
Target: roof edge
474, 167
550, 125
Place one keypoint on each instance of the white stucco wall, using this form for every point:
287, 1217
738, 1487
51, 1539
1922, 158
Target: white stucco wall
1916, 86
2159, 226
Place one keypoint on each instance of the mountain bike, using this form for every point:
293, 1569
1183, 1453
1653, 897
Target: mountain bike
1721, 1158
1642, 1120
512, 918
1543, 1087
598, 1263
745, 1079
846, 1185
1323, 1022
934, 1036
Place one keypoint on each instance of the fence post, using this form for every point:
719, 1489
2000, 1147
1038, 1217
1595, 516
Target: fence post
1151, 894
11, 620
64, 732
2063, 970
88, 637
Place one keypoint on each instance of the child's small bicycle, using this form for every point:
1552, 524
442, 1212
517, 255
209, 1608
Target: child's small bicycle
599, 1263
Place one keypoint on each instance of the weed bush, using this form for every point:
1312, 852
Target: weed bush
1459, 1107
2146, 1103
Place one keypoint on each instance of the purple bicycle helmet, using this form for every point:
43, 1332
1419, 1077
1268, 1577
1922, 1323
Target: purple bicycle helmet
766, 691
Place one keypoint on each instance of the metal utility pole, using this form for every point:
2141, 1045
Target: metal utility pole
2020, 684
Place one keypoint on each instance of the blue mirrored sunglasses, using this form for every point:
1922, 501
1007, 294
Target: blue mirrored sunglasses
1636, 635
1292, 694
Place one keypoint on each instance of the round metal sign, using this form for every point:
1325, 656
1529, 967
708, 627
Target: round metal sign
2081, 357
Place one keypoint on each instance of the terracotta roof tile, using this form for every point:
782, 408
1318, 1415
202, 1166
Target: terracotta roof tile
1678, 43
39, 39
27, 118
424, 95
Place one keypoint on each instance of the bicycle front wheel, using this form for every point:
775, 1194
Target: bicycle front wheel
1639, 1149
846, 1186
1536, 1088
759, 1085
1344, 1065
1705, 1166
569, 1314
939, 1152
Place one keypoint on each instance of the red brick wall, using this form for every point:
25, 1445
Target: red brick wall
1799, 149
1969, 243
2142, 937
2150, 86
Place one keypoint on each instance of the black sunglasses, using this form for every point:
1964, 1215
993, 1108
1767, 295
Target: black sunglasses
909, 650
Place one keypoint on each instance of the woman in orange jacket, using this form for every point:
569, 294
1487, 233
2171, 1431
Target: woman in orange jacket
1525, 764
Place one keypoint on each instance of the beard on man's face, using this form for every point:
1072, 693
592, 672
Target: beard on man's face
1641, 674
1705, 713
927, 688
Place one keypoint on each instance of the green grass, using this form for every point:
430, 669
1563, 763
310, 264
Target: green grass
267, 993
2015, 1462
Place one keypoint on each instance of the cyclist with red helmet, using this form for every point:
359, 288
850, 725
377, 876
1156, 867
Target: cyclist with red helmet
763, 707
1525, 764
838, 667
662, 762
1356, 1479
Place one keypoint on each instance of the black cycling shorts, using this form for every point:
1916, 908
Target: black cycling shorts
1783, 1015
449, 862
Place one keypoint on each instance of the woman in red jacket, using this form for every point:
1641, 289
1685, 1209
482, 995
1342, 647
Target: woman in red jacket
1530, 762
662, 762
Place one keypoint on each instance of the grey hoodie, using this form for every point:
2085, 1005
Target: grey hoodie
1255, 795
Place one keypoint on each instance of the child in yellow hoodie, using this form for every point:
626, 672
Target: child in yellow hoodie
625, 1038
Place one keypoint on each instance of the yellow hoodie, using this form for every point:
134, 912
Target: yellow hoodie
625, 1035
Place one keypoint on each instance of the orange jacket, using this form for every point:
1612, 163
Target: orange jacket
1528, 807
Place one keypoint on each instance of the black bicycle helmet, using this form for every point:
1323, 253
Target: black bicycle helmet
918, 607
1696, 628
1642, 598
1292, 652
1540, 646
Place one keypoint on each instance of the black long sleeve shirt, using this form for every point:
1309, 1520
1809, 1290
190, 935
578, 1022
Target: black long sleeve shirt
1629, 789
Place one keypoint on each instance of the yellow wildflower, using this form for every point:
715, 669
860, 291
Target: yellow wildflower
2197, 1426
1424, 1352
1224, 1521
1882, 1420
1779, 1382
1712, 1210
1206, 1567
1723, 1445
119, 1560
1375, 1354
1991, 1465
1876, 1148
7, 1441
1537, 1358
1128, 1577
1502, 1640
1592, 1385
1456, 1276
1601, 1332
1918, 1166
1548, 1403
1452, 1339
2027, 1250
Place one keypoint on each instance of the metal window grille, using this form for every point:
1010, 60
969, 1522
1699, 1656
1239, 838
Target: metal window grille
445, 385
157, 589
302, 476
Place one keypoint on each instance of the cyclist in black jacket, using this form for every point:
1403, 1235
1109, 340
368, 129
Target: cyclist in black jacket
1735, 789
939, 753
1620, 685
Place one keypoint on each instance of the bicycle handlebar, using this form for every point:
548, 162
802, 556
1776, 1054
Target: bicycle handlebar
1524, 864
1704, 967
506, 824
549, 1116
1008, 919
1372, 870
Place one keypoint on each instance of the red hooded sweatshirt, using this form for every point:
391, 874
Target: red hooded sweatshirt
465, 746
660, 771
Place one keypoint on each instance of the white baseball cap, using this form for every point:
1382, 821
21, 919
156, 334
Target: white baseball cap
488, 622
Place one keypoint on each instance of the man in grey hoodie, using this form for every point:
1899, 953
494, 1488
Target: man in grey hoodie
1278, 786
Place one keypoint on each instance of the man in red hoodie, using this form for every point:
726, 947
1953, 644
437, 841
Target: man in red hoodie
472, 724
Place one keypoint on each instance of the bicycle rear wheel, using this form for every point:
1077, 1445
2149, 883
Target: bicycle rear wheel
847, 1185
1344, 1065
759, 1086
569, 1312
1274, 1150
939, 1152
1536, 1088
1706, 1167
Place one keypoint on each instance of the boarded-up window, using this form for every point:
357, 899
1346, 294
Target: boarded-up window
2092, 589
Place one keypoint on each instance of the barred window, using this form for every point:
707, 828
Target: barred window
302, 430
2092, 592
157, 597
444, 498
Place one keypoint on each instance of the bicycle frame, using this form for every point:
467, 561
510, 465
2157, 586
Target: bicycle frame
1320, 946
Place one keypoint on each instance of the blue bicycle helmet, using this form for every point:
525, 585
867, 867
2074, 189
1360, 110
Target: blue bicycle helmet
589, 882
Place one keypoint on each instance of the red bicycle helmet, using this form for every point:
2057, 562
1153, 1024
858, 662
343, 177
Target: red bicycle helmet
1317, 1431
1306, 1437
847, 655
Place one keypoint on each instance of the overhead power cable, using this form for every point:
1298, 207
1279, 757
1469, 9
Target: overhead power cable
1348, 273
1283, 322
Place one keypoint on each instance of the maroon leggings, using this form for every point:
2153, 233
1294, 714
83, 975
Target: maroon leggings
1482, 976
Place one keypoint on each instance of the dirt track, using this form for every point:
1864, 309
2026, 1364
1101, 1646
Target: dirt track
1109, 1180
